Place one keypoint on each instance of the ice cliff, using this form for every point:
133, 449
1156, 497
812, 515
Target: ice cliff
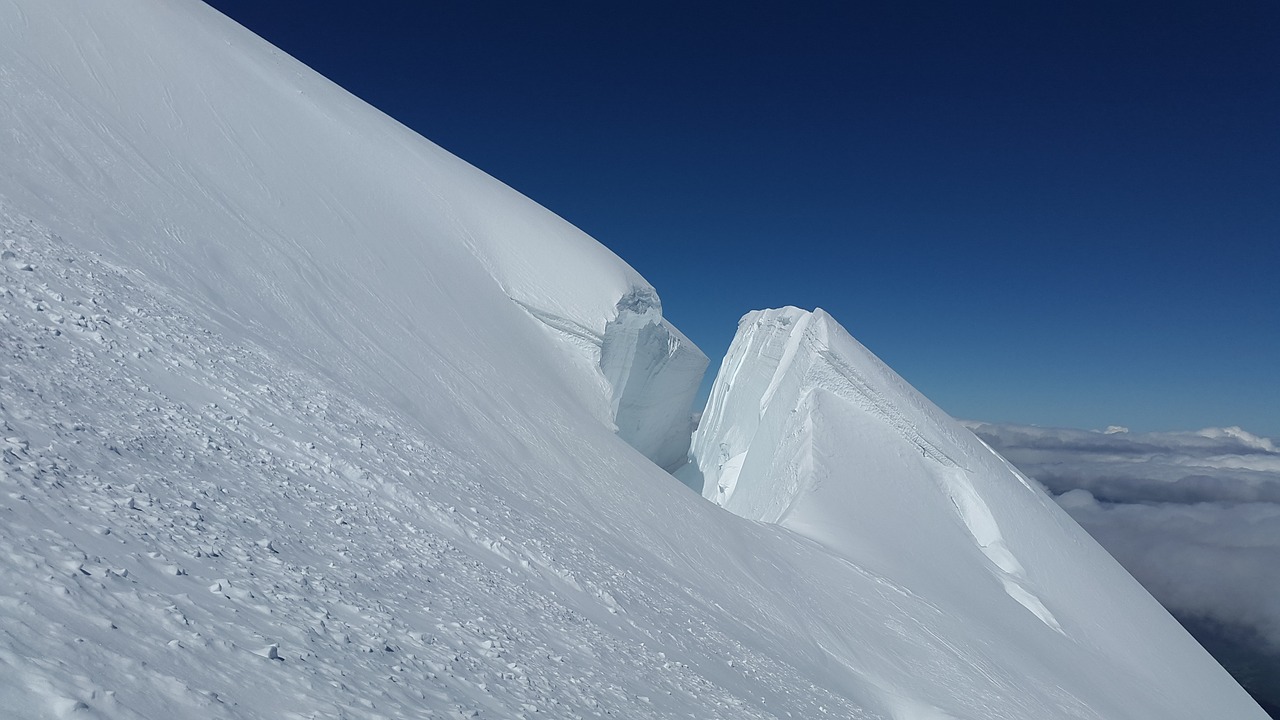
645, 373
654, 373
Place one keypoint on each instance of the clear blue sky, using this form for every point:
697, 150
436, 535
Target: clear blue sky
1051, 213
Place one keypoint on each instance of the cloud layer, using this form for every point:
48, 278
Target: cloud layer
1214, 465
1194, 516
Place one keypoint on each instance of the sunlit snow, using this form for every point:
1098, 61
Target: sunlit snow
302, 416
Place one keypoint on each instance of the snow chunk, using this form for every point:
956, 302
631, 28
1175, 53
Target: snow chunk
807, 429
270, 652
636, 372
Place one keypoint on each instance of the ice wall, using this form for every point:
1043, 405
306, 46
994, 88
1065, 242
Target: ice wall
637, 373
740, 416
653, 372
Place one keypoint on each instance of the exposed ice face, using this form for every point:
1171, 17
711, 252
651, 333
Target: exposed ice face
654, 372
638, 375
737, 416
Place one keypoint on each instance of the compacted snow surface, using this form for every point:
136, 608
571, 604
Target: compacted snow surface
301, 416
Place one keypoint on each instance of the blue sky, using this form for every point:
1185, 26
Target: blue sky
1049, 213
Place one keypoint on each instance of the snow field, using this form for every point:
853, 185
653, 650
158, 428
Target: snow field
274, 548
301, 416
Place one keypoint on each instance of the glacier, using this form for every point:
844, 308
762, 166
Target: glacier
302, 416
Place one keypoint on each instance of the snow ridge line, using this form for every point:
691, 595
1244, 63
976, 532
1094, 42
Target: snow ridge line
799, 333
853, 387
971, 508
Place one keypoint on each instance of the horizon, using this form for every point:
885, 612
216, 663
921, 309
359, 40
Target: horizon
1062, 217
303, 413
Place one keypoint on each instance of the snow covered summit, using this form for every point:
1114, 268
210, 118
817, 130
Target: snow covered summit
301, 416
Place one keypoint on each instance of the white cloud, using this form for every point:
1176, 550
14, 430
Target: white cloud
1213, 465
1215, 560
1194, 516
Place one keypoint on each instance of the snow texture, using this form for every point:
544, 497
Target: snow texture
807, 429
301, 416
199, 133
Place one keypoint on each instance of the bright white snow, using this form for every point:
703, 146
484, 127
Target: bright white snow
807, 429
301, 416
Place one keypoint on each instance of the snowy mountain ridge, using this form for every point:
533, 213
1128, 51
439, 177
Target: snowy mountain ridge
774, 445
304, 417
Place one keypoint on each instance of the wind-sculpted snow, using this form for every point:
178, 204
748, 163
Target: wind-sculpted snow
791, 377
807, 429
301, 416
208, 160
194, 528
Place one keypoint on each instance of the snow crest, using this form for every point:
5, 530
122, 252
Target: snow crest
806, 429
765, 449
207, 160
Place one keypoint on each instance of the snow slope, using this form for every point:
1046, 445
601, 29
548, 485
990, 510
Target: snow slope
208, 160
807, 429
304, 417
